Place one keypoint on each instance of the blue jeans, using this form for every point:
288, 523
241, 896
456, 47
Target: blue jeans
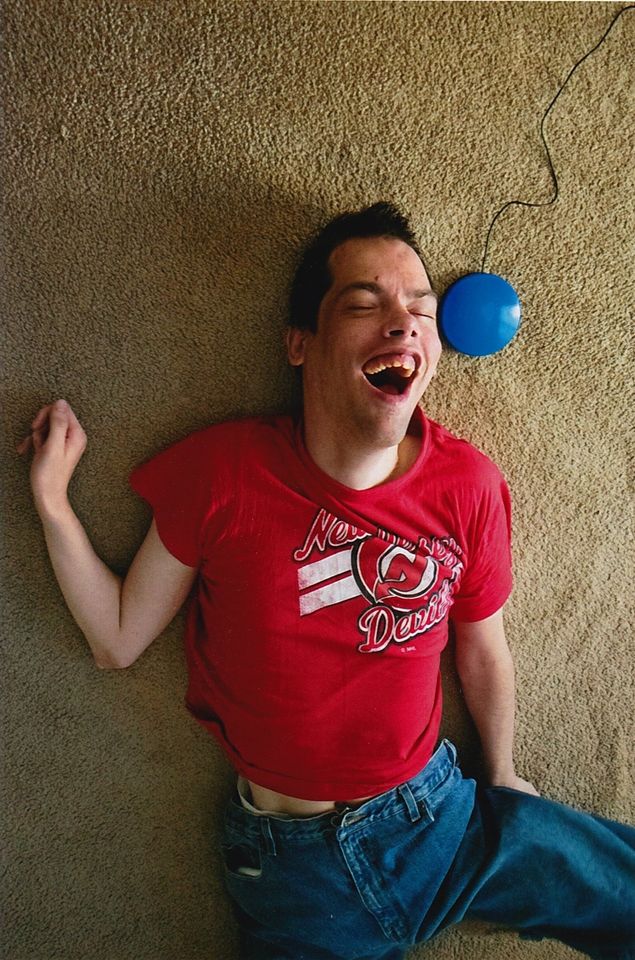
369, 883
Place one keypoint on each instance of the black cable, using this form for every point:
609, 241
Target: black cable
547, 203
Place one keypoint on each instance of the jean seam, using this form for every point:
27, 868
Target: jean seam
391, 930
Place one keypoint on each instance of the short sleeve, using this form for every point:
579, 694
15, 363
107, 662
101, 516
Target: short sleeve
177, 483
487, 580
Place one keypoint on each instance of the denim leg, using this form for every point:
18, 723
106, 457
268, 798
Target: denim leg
368, 883
546, 870
349, 885
255, 947
297, 901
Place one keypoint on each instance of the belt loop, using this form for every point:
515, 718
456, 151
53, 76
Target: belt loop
267, 836
408, 798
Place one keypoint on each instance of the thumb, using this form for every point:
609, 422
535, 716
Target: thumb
58, 423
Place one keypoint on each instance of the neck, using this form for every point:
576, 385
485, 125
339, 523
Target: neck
360, 465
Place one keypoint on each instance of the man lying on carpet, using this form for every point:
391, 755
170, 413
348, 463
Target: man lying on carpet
327, 555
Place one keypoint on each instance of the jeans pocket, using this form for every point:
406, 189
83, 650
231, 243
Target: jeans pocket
242, 860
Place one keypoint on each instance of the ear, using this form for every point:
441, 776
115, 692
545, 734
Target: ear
296, 345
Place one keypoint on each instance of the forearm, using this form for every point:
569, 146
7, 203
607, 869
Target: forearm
489, 691
91, 590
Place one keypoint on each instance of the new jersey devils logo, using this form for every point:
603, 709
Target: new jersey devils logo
410, 590
408, 585
392, 575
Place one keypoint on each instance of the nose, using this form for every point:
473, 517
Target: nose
399, 323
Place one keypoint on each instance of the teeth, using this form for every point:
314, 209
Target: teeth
406, 366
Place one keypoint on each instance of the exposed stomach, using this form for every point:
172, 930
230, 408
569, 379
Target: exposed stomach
273, 802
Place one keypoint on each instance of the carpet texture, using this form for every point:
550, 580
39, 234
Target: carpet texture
162, 162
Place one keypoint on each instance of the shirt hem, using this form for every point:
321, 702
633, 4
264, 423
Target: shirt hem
322, 789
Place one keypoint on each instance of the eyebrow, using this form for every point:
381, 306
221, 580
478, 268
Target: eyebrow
370, 287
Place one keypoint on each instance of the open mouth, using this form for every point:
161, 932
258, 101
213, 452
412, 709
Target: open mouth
390, 374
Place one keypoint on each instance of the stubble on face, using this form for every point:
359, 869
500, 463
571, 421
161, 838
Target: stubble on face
379, 305
386, 320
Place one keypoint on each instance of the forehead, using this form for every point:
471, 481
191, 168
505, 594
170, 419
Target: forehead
382, 260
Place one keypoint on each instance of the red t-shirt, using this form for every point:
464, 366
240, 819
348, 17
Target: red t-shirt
314, 633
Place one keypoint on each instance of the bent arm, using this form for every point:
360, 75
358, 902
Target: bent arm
118, 617
486, 671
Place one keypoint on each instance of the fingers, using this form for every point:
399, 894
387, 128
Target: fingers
58, 424
35, 439
54, 417
24, 445
75, 429
42, 415
69, 431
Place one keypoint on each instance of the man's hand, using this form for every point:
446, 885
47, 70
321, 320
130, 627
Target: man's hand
516, 783
58, 442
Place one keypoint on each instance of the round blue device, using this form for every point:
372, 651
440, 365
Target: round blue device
479, 314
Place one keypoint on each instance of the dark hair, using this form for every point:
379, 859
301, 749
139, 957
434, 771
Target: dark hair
313, 278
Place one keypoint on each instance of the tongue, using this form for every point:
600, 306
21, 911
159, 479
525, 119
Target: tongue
389, 388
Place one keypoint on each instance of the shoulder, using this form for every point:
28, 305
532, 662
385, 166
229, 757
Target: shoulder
461, 459
232, 435
218, 449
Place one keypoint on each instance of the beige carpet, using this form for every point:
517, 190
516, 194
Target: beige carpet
162, 161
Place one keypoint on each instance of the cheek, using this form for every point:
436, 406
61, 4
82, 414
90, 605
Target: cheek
432, 346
